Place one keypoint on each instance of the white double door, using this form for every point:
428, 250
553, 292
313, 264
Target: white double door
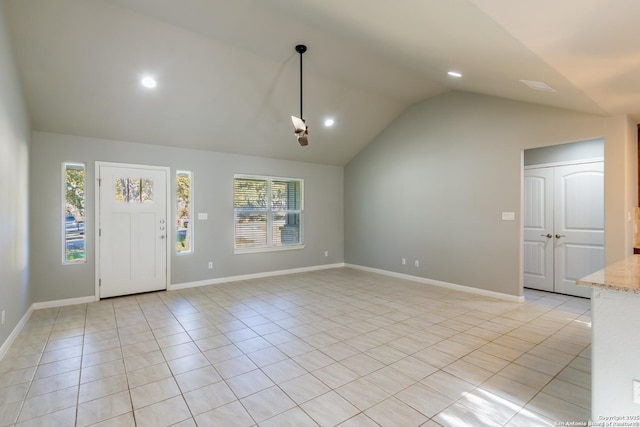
132, 222
563, 226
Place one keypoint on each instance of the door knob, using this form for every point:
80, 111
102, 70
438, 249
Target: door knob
548, 235
560, 235
162, 237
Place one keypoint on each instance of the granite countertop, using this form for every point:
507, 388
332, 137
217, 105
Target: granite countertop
623, 276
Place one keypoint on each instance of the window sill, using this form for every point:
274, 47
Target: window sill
272, 249
79, 262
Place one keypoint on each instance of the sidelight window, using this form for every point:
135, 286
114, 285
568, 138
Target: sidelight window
184, 225
73, 213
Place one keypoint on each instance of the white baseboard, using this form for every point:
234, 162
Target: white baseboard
36, 306
441, 284
220, 280
63, 302
5, 346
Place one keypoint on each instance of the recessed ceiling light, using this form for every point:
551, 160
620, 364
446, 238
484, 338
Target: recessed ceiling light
454, 74
329, 122
149, 82
535, 85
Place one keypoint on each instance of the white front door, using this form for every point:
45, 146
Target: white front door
579, 225
132, 221
563, 226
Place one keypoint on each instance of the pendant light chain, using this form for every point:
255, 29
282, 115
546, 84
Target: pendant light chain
301, 49
301, 116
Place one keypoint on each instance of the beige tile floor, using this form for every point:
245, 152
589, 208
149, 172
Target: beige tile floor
335, 347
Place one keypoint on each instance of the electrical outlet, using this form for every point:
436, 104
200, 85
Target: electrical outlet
417, 263
210, 264
404, 261
636, 391
2, 317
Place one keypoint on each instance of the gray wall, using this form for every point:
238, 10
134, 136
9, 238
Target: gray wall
213, 193
14, 207
432, 186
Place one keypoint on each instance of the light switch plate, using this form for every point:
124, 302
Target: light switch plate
508, 216
203, 215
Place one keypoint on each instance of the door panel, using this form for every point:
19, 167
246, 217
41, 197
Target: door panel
579, 225
133, 229
579, 259
144, 261
538, 223
115, 248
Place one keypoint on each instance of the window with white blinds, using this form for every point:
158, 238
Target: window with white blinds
267, 212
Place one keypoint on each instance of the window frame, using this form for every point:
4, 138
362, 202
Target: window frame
190, 228
63, 186
270, 247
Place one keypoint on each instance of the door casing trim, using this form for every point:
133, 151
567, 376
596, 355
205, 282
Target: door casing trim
167, 171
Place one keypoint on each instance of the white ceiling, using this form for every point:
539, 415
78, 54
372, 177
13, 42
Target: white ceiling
229, 75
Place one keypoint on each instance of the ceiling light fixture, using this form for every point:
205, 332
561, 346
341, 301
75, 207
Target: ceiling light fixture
149, 82
454, 74
329, 122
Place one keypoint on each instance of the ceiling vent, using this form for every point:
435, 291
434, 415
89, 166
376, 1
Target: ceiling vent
538, 85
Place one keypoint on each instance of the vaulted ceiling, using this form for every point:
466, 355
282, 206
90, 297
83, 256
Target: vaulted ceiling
228, 74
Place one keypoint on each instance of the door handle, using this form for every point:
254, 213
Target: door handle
162, 237
548, 235
560, 235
